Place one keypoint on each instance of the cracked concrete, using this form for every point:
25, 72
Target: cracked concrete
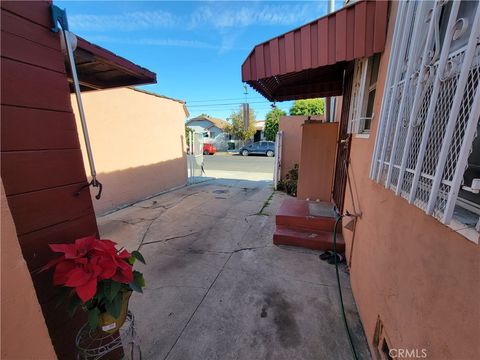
217, 288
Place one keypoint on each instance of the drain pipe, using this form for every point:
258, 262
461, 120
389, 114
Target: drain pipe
59, 17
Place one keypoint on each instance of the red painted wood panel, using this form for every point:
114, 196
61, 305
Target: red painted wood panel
19, 26
259, 61
306, 47
282, 54
275, 56
332, 45
40, 209
350, 33
253, 65
369, 28
289, 52
24, 129
36, 170
246, 70
341, 35
267, 60
360, 25
35, 244
314, 42
297, 42
380, 32
30, 86
21, 49
323, 42
35, 11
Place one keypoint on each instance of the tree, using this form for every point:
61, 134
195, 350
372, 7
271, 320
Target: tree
308, 107
271, 123
187, 135
235, 127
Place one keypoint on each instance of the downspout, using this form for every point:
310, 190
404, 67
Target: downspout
59, 17
328, 100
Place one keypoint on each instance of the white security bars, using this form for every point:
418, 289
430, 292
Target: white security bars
431, 104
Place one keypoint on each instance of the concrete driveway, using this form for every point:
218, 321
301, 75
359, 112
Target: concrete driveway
217, 288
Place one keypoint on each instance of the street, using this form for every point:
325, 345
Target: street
235, 166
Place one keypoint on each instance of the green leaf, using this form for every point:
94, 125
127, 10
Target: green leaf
93, 318
75, 302
114, 289
131, 260
135, 287
138, 256
138, 278
115, 307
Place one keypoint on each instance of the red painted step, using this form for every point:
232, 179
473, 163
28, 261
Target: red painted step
296, 214
318, 240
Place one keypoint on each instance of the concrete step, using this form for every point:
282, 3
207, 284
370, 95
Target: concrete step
306, 215
318, 240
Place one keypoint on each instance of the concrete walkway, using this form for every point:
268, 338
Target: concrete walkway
218, 289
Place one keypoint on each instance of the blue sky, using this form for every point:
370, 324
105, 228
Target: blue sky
196, 48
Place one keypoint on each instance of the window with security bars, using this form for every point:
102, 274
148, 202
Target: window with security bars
425, 148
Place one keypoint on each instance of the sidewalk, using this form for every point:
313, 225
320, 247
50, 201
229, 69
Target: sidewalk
218, 289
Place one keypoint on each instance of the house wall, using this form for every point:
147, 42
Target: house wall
42, 166
138, 144
414, 273
292, 140
21, 312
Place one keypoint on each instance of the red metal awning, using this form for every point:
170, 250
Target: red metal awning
99, 68
309, 61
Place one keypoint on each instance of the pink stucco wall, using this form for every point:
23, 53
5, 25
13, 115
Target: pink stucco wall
417, 275
24, 334
138, 144
292, 140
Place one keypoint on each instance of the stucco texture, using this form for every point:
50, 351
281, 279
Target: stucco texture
414, 273
138, 144
24, 334
292, 140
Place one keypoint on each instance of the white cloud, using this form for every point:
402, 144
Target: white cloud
136, 20
222, 17
153, 42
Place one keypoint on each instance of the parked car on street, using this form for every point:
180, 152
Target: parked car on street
209, 149
259, 147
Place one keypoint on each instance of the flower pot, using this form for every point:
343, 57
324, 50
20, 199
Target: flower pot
107, 323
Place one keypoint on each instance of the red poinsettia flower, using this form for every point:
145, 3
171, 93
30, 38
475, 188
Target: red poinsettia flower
87, 261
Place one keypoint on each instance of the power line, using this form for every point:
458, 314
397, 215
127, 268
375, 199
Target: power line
211, 100
226, 104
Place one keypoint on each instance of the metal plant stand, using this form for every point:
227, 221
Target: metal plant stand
95, 345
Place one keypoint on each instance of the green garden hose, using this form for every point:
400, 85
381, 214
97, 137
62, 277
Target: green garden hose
352, 347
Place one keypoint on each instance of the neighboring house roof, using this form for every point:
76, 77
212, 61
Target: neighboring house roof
215, 122
183, 102
260, 125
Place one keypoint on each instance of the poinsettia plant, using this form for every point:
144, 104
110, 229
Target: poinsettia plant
96, 275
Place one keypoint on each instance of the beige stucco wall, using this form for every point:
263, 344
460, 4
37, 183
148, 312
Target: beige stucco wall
420, 277
24, 334
138, 144
292, 140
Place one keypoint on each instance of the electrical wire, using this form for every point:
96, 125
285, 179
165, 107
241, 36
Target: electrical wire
230, 99
347, 330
